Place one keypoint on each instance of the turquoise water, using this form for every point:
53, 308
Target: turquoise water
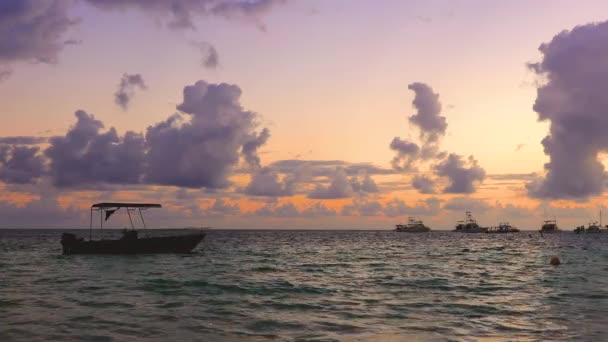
310, 285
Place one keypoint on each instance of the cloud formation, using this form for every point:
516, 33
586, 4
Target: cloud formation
20, 164
428, 116
209, 57
22, 140
423, 184
266, 182
180, 13
462, 175
573, 99
407, 154
201, 147
85, 155
32, 31
341, 186
126, 89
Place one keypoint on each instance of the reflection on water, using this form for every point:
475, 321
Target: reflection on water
314, 285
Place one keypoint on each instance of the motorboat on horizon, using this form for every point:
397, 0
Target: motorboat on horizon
130, 242
412, 226
503, 227
469, 225
550, 226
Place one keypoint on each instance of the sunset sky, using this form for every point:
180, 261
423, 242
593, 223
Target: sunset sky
304, 114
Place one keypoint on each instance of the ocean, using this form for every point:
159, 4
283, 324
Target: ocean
310, 286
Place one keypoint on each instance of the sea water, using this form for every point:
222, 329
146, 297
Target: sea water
310, 285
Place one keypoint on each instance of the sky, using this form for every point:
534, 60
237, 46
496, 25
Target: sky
345, 114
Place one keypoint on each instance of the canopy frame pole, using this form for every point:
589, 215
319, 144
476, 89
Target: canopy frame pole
130, 220
101, 211
91, 226
143, 222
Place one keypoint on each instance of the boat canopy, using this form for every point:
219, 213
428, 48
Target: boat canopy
125, 205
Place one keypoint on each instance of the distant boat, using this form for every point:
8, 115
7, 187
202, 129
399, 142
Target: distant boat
130, 242
549, 226
469, 225
412, 226
503, 227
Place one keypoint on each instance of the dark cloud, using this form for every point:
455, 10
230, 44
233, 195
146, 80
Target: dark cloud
20, 164
251, 146
221, 208
209, 56
364, 185
466, 204
462, 176
432, 127
265, 182
202, 148
407, 154
126, 89
423, 184
32, 30
340, 187
23, 140
180, 13
428, 118
573, 99
85, 156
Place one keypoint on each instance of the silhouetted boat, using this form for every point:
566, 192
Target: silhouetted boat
503, 227
469, 225
412, 226
549, 226
130, 242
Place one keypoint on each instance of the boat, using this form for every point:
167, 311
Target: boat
412, 226
579, 230
469, 225
593, 228
549, 226
130, 242
503, 227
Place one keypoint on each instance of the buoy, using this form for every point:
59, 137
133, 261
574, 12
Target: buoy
555, 261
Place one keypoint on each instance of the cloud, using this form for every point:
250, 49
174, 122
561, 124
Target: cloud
221, 208
362, 208
180, 13
407, 154
466, 204
45, 212
432, 127
20, 164
428, 117
423, 184
202, 147
462, 176
365, 185
573, 99
316, 168
265, 182
32, 31
23, 140
126, 89
428, 207
209, 56
339, 187
85, 156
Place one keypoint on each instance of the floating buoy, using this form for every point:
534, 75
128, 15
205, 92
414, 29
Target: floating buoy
555, 261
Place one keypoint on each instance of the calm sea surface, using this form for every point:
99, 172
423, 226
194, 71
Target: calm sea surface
310, 285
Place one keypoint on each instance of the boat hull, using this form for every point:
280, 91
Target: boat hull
165, 244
